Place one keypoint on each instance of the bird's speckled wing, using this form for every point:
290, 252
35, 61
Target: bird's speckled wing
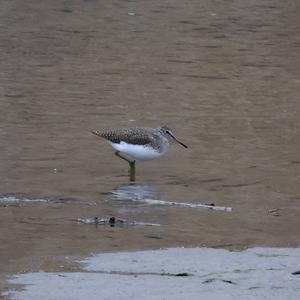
136, 136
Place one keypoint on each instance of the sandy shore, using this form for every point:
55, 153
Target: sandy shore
176, 273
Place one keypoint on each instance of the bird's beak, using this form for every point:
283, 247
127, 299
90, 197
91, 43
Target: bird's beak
182, 144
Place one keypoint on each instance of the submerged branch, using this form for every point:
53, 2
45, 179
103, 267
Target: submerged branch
184, 204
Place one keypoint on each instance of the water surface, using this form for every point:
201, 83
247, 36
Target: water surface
223, 75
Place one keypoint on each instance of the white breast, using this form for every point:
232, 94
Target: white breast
137, 152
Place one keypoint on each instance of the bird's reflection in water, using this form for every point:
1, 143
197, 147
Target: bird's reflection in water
135, 191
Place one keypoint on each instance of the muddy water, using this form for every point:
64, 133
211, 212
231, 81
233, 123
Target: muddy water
223, 74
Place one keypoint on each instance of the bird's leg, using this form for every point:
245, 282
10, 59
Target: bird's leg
131, 165
132, 170
117, 153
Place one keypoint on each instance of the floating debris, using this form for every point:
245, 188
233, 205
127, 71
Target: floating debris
113, 221
184, 274
274, 212
296, 273
184, 204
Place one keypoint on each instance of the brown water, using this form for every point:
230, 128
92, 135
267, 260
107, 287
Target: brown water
224, 75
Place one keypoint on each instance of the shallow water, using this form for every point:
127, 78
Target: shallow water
224, 76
